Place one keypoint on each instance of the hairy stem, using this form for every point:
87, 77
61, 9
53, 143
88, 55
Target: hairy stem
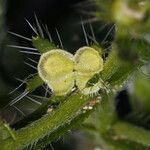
47, 124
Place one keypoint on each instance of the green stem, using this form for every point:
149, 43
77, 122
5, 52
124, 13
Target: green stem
132, 132
63, 129
47, 124
42, 110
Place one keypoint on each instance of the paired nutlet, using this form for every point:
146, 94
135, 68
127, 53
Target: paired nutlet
62, 71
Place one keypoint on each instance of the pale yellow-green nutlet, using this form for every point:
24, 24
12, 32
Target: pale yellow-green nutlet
56, 69
87, 63
61, 70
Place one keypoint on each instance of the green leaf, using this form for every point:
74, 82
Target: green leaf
116, 71
132, 132
110, 66
123, 72
111, 144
